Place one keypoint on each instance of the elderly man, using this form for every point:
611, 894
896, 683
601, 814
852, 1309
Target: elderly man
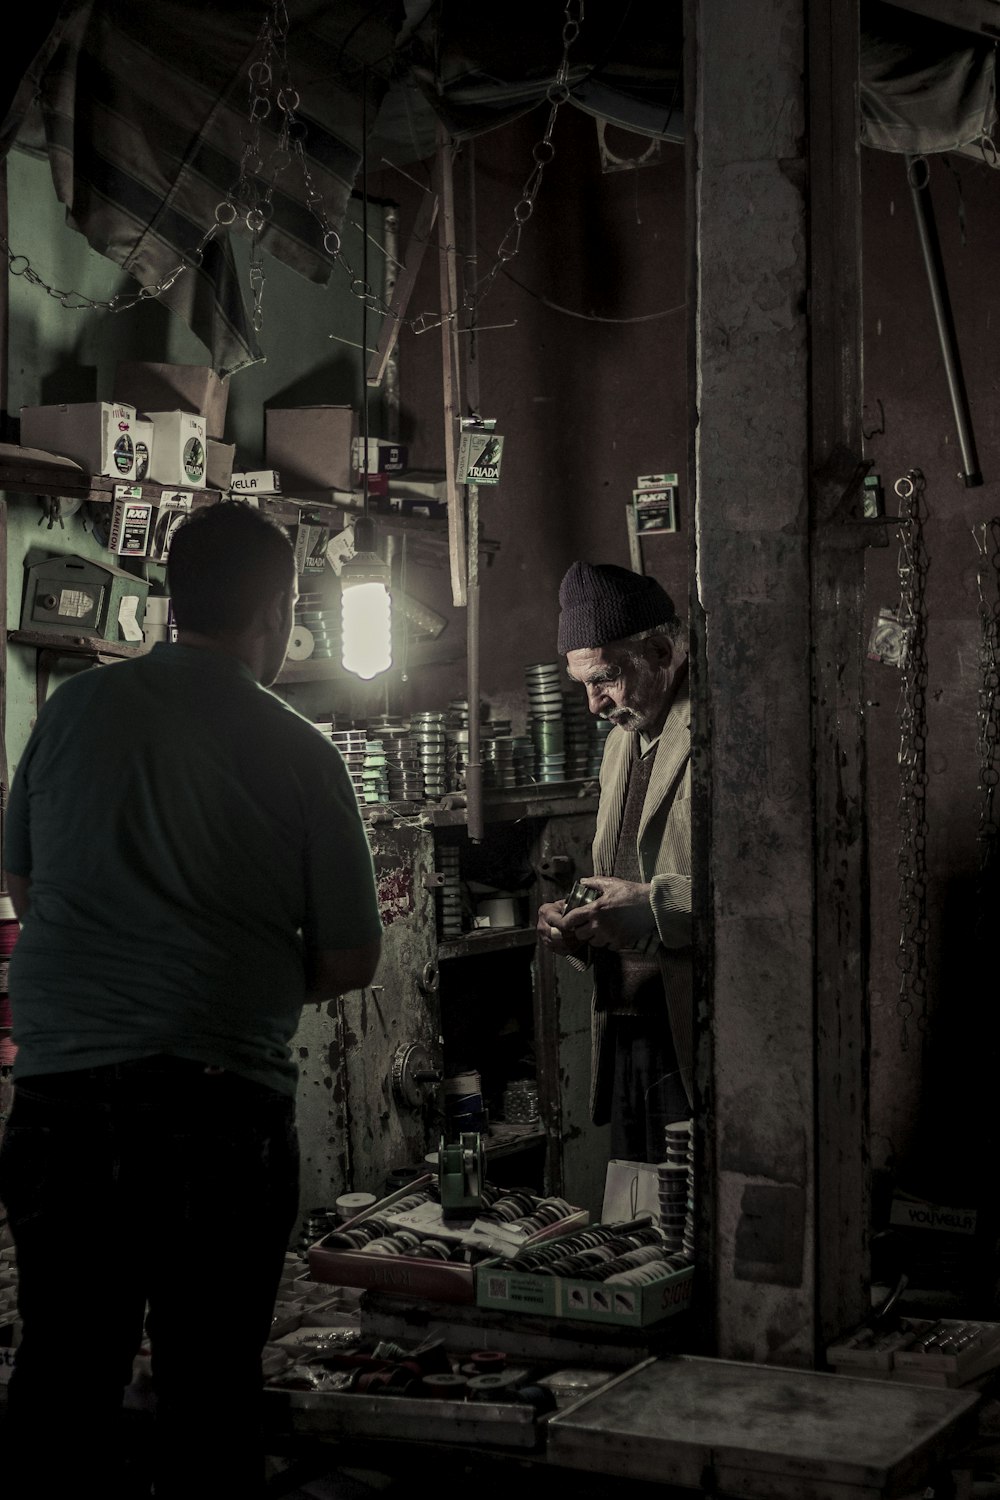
621, 638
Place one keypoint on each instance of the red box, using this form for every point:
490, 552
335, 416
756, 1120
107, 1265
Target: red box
405, 1275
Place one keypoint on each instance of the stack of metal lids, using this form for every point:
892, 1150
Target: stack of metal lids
600, 729
545, 702
404, 773
450, 893
676, 1189
524, 760
320, 623
497, 753
429, 733
374, 773
353, 746
456, 732
576, 718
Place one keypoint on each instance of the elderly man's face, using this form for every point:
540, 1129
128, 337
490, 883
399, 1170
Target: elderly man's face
628, 685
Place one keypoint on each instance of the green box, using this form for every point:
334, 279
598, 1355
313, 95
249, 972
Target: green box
500, 1286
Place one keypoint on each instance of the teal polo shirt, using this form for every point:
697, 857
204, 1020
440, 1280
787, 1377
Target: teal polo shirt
187, 836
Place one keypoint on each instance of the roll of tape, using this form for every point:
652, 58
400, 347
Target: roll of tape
349, 1205
301, 645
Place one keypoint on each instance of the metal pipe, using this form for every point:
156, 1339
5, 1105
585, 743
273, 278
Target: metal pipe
474, 766
918, 176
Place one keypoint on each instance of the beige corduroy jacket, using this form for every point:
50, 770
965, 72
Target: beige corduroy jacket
664, 847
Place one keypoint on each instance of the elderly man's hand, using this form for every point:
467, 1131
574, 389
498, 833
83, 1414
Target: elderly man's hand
621, 917
551, 929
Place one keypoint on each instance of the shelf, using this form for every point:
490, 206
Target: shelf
511, 804
507, 1140
69, 482
486, 940
75, 645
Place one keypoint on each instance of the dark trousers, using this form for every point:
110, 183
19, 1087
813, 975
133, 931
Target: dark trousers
648, 1091
152, 1183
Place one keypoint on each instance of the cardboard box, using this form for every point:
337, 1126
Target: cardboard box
501, 1286
255, 482
311, 446
219, 464
143, 433
97, 435
131, 525
309, 539
173, 509
383, 457
178, 455
165, 387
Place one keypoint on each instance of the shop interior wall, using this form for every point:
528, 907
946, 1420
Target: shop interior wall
933, 1080
582, 361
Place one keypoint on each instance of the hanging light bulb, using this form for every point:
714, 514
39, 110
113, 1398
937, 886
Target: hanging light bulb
366, 621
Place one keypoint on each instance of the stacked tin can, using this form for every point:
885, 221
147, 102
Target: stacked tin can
545, 715
374, 772
577, 720
525, 773
450, 892
404, 772
497, 754
428, 730
600, 729
319, 623
353, 746
676, 1190
456, 743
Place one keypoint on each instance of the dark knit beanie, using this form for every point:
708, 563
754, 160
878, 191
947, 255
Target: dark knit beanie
600, 603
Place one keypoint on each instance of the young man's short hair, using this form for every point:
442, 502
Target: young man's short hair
223, 561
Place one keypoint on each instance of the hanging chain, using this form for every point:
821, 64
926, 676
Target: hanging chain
19, 265
542, 153
987, 539
272, 96
911, 959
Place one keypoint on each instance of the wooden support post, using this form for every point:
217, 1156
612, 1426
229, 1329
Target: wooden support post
412, 261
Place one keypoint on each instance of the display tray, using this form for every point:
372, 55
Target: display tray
925, 1351
484, 1424
502, 1424
409, 1275
761, 1431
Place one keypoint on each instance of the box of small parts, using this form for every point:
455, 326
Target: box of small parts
924, 1351
607, 1273
405, 1246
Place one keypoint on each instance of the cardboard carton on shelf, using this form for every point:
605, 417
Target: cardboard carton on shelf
219, 464
98, 435
167, 387
311, 446
178, 455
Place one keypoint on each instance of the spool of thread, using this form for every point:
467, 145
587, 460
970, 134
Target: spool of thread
448, 1387
349, 1205
488, 1387
488, 1361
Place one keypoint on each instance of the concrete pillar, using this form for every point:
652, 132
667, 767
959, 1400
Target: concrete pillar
758, 166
